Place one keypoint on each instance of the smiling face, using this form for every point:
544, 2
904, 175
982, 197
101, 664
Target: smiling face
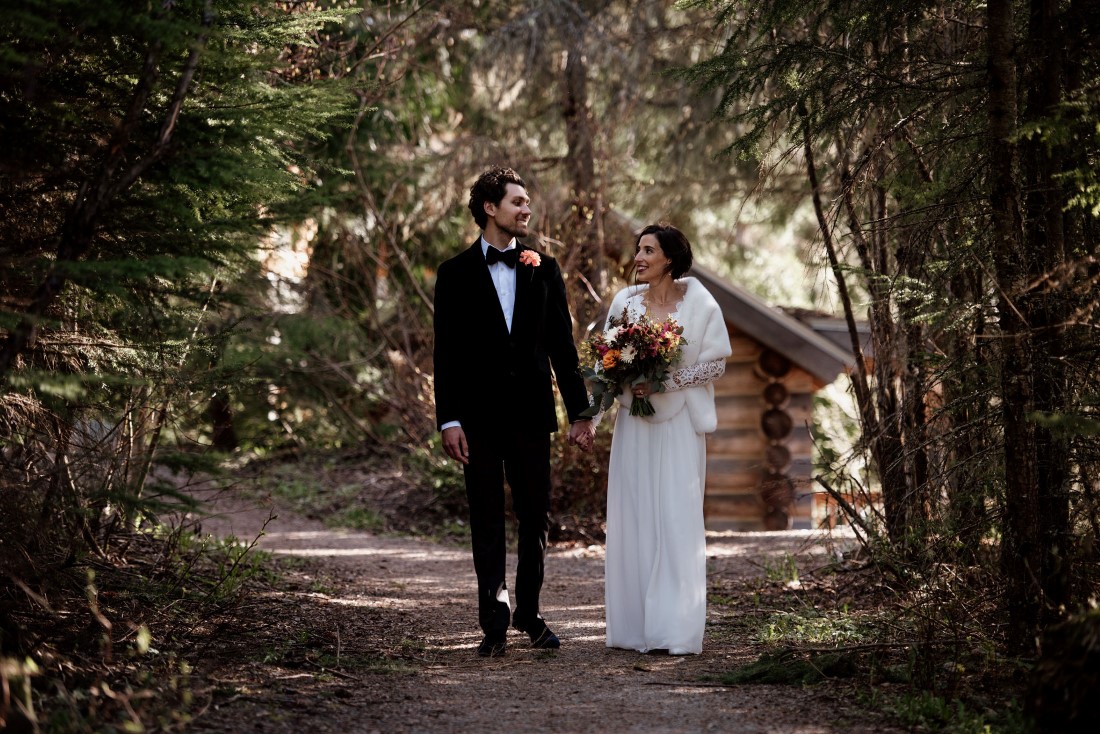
511, 216
650, 263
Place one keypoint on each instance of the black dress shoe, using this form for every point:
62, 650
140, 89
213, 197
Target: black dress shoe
492, 646
541, 636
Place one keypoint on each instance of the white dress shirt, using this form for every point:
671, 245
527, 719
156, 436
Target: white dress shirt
504, 280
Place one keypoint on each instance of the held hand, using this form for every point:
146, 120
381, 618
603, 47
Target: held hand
582, 434
454, 444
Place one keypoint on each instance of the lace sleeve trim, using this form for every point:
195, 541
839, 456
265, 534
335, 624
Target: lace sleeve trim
695, 375
596, 419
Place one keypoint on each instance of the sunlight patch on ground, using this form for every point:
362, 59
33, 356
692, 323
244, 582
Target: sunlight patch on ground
591, 551
573, 610
308, 535
584, 638
435, 582
753, 551
325, 552
728, 544
838, 533
467, 643
408, 555
596, 626
695, 690
725, 551
383, 602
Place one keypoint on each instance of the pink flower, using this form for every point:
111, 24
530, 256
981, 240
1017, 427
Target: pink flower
530, 258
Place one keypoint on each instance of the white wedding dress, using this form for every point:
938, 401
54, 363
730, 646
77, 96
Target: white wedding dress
655, 574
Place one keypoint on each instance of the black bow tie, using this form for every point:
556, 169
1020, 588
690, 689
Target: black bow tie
508, 257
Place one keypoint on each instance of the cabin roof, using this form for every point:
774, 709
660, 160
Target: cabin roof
820, 356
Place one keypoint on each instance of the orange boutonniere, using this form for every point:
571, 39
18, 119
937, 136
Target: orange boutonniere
530, 258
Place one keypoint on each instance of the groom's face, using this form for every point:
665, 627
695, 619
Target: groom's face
513, 213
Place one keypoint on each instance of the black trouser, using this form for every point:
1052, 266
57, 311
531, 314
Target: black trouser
524, 458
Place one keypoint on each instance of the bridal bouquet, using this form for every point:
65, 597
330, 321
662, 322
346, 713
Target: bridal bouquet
631, 353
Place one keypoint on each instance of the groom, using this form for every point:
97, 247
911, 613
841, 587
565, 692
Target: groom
501, 322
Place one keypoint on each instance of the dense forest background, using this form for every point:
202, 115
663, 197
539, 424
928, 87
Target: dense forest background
220, 223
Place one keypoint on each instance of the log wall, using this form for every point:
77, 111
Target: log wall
759, 461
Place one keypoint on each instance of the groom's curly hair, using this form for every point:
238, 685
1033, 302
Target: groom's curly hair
491, 186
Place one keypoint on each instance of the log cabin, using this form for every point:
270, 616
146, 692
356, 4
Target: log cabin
760, 460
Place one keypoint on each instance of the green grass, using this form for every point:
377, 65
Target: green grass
457, 531
783, 568
926, 711
814, 627
338, 505
410, 646
358, 518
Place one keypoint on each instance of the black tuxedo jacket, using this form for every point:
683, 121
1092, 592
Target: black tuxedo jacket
489, 378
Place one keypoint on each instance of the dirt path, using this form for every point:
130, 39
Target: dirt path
378, 635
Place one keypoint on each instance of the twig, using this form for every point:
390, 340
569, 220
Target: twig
323, 669
848, 509
240, 556
36, 597
858, 648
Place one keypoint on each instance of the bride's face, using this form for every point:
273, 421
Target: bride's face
650, 263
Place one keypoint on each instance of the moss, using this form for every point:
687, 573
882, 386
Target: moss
786, 667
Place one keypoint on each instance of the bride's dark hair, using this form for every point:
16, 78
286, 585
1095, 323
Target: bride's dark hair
673, 243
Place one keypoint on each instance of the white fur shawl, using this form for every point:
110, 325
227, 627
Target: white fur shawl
707, 340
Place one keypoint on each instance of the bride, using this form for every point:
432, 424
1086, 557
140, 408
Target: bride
655, 574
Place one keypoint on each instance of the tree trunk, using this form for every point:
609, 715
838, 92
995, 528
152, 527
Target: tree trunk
585, 265
223, 433
1021, 550
1047, 308
958, 457
884, 433
966, 483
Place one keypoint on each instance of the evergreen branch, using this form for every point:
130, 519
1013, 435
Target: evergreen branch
162, 144
78, 231
372, 51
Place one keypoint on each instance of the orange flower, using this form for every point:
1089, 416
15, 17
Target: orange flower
610, 359
530, 258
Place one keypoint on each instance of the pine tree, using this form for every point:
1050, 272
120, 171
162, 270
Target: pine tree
147, 154
946, 144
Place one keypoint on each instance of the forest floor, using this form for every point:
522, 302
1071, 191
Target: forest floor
377, 633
